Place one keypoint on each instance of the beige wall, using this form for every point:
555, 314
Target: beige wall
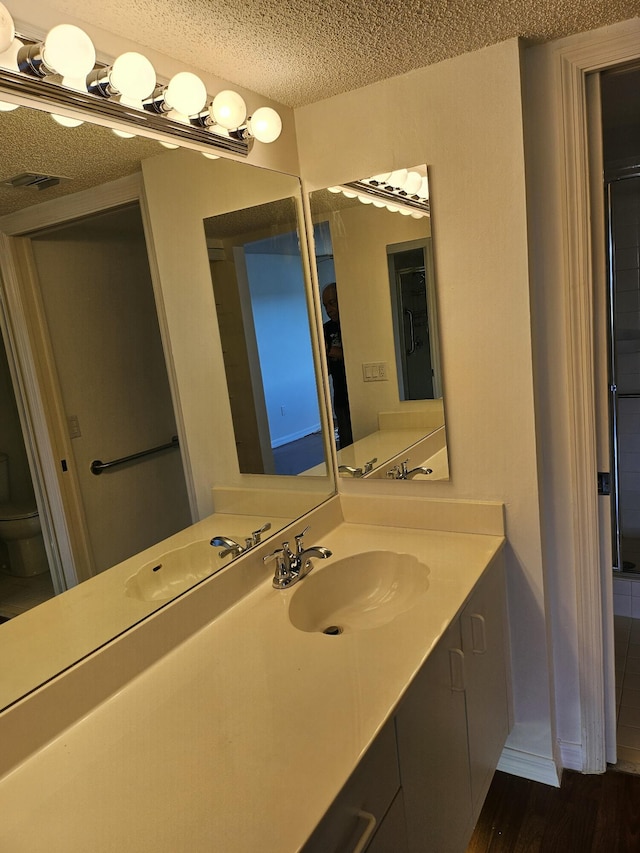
463, 117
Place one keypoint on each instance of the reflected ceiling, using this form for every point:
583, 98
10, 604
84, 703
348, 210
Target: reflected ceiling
300, 51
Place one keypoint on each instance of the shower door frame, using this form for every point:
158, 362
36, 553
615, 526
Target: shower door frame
611, 178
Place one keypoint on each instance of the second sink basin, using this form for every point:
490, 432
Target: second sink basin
174, 572
358, 592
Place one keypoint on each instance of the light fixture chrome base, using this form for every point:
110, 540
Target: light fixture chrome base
47, 95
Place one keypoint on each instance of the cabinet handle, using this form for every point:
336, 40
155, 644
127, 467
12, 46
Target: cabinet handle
478, 634
368, 830
456, 669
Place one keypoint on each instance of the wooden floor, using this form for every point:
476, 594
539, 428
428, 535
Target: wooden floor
587, 814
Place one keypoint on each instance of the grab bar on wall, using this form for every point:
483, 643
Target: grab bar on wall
97, 467
627, 396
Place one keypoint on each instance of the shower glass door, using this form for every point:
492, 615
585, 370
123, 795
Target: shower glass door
623, 198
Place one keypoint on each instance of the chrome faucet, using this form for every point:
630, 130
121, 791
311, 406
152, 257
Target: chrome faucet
229, 546
292, 566
359, 472
234, 548
401, 472
256, 536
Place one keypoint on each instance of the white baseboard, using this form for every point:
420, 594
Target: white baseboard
571, 756
535, 767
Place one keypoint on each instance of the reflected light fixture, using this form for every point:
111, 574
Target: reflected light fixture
7, 29
125, 92
404, 191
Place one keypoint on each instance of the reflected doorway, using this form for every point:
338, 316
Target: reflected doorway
100, 329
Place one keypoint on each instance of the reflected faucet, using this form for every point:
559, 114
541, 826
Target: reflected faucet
230, 547
401, 472
293, 566
235, 548
359, 472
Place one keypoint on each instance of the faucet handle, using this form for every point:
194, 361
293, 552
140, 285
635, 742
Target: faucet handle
282, 574
273, 555
299, 538
255, 537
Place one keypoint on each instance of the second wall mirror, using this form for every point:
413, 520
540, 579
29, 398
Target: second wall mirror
376, 274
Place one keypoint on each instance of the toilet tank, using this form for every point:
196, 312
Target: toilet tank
4, 478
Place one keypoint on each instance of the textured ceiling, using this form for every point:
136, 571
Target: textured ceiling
300, 51
313, 53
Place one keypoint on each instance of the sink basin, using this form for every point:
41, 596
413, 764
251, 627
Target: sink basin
174, 572
358, 592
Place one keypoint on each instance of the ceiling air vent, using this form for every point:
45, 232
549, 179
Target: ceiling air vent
34, 180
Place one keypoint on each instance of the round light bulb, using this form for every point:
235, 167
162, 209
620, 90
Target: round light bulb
265, 124
218, 130
416, 215
392, 208
7, 29
65, 121
228, 109
134, 77
348, 194
174, 115
334, 189
397, 178
365, 199
378, 203
69, 51
423, 192
170, 145
210, 156
9, 57
413, 183
380, 179
123, 133
186, 94
6, 107
404, 212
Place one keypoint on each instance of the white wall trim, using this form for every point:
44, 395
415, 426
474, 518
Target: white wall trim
574, 59
538, 768
570, 755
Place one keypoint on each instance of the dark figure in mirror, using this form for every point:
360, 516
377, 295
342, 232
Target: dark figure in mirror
335, 364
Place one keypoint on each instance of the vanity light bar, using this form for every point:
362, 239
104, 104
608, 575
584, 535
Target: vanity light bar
125, 91
35, 93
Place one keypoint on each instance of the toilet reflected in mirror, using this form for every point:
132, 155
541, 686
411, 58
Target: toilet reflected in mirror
24, 580
20, 531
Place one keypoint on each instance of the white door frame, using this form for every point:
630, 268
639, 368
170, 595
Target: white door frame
572, 62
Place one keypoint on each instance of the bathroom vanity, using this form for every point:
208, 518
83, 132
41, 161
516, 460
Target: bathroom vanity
219, 724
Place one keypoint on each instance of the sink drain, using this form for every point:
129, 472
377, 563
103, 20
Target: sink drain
333, 630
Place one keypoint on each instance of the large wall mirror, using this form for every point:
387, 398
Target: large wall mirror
129, 274
376, 275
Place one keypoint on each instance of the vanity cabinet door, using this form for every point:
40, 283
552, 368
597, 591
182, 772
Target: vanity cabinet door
431, 728
483, 624
357, 815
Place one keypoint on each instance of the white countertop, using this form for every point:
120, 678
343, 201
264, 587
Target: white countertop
240, 738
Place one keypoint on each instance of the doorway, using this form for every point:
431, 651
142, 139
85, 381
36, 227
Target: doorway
621, 156
100, 318
619, 103
93, 327
17, 594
